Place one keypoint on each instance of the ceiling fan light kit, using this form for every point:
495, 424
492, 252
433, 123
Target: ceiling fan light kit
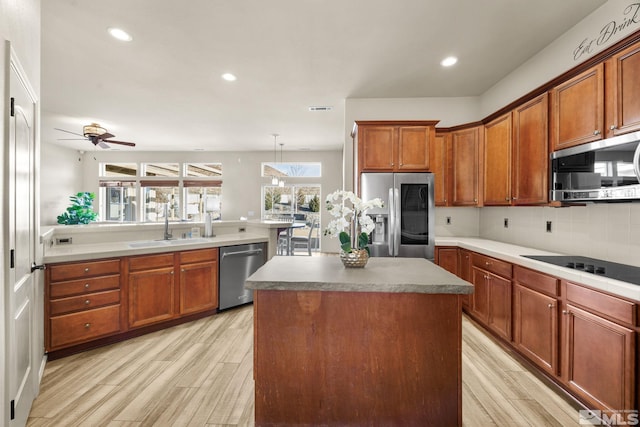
93, 130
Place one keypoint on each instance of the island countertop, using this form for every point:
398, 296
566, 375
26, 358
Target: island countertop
326, 273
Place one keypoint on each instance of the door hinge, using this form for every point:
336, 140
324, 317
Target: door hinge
13, 409
13, 103
13, 258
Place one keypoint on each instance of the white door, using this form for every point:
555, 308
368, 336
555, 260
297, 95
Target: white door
21, 308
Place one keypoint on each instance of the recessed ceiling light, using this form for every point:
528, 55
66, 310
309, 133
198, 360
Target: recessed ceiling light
229, 77
119, 34
449, 61
320, 108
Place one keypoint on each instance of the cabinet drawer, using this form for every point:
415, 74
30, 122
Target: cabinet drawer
84, 326
76, 287
199, 255
76, 270
594, 301
84, 302
537, 281
149, 262
495, 266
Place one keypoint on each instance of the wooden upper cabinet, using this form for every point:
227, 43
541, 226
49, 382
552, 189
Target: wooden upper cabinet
578, 109
530, 153
376, 148
622, 73
413, 147
465, 164
440, 166
390, 146
497, 161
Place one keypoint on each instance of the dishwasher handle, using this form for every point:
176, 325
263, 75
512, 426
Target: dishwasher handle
242, 253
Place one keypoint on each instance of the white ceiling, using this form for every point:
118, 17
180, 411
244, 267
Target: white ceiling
163, 90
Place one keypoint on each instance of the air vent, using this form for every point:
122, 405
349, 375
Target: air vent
320, 108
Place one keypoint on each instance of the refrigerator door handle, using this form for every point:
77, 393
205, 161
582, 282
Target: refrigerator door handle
397, 222
392, 223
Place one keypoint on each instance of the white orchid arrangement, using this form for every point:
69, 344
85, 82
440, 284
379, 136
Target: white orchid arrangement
350, 223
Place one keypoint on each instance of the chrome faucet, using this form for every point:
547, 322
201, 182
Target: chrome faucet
167, 235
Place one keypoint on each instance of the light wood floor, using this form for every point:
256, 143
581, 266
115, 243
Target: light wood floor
200, 374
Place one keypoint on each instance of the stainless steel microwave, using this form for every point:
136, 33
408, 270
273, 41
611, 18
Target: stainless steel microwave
601, 171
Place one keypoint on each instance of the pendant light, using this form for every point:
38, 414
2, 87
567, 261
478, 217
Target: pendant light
281, 181
274, 178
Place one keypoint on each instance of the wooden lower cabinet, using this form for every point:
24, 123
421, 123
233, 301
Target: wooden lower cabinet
93, 302
82, 302
535, 327
582, 338
198, 281
447, 258
599, 360
492, 295
464, 272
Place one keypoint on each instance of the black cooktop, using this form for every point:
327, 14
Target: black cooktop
612, 270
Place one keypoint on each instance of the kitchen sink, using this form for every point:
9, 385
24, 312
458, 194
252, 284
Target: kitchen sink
157, 243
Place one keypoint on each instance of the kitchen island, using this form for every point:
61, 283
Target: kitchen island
373, 346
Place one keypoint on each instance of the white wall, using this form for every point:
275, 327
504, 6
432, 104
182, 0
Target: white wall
559, 56
242, 183
608, 231
61, 175
19, 24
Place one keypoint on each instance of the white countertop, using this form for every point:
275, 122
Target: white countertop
73, 252
326, 273
513, 254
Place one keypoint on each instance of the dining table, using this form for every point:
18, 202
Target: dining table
288, 233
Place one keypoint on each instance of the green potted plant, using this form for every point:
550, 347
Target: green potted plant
80, 211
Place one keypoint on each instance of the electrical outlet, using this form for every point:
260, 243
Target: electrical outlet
448, 220
506, 223
548, 226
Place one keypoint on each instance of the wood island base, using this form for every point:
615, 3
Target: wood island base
357, 358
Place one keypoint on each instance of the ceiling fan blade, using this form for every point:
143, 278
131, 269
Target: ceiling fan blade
130, 144
101, 144
68, 131
71, 139
106, 135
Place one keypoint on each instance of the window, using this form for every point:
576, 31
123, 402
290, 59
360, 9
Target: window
142, 192
203, 197
301, 170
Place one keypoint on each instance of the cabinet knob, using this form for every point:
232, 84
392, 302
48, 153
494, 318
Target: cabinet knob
565, 312
507, 199
550, 306
171, 272
613, 127
596, 132
86, 270
86, 286
182, 270
87, 325
514, 198
475, 200
87, 302
487, 263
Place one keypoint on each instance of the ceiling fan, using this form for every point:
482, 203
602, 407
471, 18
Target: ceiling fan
97, 135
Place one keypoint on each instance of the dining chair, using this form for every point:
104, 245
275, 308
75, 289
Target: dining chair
303, 241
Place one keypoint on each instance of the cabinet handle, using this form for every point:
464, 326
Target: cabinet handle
86, 270
550, 306
86, 286
87, 302
596, 132
514, 198
613, 127
507, 199
87, 325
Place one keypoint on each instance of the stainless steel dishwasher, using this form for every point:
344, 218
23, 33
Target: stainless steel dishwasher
236, 264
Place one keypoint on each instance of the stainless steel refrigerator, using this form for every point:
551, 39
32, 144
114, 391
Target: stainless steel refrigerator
404, 227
